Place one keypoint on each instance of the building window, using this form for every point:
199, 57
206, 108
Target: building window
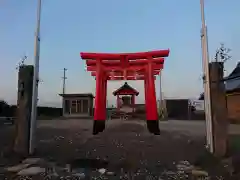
85, 105
79, 106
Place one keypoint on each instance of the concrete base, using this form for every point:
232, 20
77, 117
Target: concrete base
98, 126
153, 127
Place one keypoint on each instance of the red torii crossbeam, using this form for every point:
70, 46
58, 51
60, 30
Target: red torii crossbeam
125, 66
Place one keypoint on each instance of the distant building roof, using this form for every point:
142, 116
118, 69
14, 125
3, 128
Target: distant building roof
77, 95
124, 88
233, 80
235, 73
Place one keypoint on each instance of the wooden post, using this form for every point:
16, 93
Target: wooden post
24, 104
133, 102
118, 103
219, 109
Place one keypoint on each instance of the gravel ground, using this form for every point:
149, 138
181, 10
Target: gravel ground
125, 150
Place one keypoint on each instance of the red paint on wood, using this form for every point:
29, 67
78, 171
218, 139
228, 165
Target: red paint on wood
119, 68
129, 73
130, 56
119, 63
125, 66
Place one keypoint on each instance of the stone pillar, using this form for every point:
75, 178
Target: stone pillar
24, 103
219, 109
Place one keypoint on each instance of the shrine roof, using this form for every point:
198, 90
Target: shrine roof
73, 95
126, 86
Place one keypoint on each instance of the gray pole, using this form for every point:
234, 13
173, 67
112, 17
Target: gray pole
206, 80
160, 93
35, 82
64, 80
64, 88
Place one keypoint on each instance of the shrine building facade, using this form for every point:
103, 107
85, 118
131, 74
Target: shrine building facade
126, 96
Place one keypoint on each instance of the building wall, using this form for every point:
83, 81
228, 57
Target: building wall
177, 108
233, 104
90, 107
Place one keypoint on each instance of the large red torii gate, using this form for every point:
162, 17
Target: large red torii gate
125, 66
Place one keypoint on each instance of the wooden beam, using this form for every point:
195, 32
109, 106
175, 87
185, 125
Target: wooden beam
119, 68
129, 56
129, 73
128, 78
119, 63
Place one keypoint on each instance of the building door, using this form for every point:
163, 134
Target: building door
67, 107
79, 106
74, 107
85, 106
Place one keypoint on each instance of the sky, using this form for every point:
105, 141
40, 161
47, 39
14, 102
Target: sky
74, 26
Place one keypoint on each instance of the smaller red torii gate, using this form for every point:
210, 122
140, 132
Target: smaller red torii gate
125, 66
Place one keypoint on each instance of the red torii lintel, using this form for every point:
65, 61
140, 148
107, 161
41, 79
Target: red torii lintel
101, 64
118, 62
130, 56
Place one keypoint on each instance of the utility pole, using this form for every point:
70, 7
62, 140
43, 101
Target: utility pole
206, 80
160, 93
35, 81
64, 80
63, 88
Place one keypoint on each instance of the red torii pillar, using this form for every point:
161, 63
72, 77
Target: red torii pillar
150, 99
100, 99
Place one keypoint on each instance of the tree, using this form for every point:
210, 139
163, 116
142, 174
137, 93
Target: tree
222, 54
4, 108
201, 97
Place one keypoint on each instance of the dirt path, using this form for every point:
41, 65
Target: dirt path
123, 148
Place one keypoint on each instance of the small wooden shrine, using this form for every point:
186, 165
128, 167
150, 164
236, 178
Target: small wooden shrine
126, 97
